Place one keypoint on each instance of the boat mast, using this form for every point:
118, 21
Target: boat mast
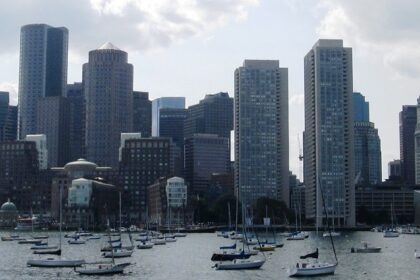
237, 210
229, 218
266, 215
61, 215
120, 207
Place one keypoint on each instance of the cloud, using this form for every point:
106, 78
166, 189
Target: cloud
12, 89
298, 99
130, 24
389, 30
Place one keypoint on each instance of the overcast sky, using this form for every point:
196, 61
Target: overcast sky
192, 47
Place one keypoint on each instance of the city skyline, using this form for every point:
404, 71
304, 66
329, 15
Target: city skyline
383, 64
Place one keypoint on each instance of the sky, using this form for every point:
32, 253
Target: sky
191, 47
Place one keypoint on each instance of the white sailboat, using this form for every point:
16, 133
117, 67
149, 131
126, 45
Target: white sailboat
391, 232
56, 262
315, 268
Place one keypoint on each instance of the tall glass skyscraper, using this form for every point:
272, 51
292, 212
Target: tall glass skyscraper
261, 131
328, 139
164, 102
408, 122
367, 144
108, 85
42, 70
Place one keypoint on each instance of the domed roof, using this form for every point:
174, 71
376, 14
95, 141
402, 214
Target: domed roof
8, 207
108, 46
81, 163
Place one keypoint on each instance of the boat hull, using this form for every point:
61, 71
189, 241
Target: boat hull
226, 256
55, 263
104, 270
240, 265
315, 269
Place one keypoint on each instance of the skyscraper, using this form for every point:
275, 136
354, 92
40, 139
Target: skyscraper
213, 115
108, 85
261, 131
408, 121
417, 145
367, 145
328, 140
76, 97
142, 113
53, 120
205, 154
171, 124
42, 70
8, 119
164, 102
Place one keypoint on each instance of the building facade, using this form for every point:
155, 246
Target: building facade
213, 115
329, 138
53, 119
261, 131
108, 85
164, 102
205, 154
41, 145
8, 119
42, 70
75, 96
143, 161
417, 146
142, 113
408, 122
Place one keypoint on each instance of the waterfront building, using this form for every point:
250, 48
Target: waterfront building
53, 120
8, 215
417, 146
367, 144
143, 161
21, 180
164, 102
261, 131
205, 154
108, 86
75, 96
8, 119
329, 137
408, 121
42, 70
42, 148
212, 115
142, 113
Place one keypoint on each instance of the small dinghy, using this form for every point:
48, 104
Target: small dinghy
366, 249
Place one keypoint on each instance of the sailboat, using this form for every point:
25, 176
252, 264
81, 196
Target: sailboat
332, 233
391, 232
52, 262
103, 268
315, 268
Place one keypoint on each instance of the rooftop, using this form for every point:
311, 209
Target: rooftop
108, 46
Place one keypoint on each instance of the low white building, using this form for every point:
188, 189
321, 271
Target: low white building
80, 192
41, 146
176, 193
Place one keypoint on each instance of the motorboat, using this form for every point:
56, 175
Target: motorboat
102, 269
52, 262
118, 253
312, 269
366, 249
239, 264
158, 241
391, 233
170, 239
416, 254
296, 236
30, 241
142, 238
180, 234
145, 245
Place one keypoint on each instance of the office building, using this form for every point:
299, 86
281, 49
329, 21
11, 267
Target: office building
213, 115
143, 161
108, 85
261, 131
53, 121
205, 154
367, 144
408, 121
171, 124
41, 146
42, 70
164, 102
329, 137
76, 98
142, 113
8, 119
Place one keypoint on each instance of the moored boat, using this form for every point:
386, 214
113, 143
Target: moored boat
51, 262
103, 269
312, 269
366, 249
239, 264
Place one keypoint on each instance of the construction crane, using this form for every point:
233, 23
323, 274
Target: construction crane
300, 159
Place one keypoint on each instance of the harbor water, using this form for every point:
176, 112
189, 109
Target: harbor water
189, 258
